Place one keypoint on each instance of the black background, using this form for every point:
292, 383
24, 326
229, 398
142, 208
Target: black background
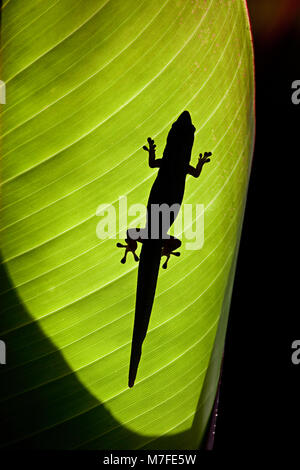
259, 397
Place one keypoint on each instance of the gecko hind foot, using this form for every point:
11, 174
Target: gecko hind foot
169, 248
165, 265
131, 245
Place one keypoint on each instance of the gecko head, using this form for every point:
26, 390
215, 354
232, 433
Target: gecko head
185, 121
181, 138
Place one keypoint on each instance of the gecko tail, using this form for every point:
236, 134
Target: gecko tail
134, 364
146, 286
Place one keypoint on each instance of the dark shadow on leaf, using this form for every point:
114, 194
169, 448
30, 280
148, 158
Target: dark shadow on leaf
61, 413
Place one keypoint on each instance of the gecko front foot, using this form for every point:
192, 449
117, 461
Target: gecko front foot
131, 245
168, 249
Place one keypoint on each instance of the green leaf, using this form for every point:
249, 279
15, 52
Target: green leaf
87, 82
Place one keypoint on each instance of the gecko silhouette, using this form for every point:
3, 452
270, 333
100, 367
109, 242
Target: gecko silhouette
167, 192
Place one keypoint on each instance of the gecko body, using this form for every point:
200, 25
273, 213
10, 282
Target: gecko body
163, 205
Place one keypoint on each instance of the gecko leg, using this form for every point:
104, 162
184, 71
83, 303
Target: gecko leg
168, 249
131, 245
